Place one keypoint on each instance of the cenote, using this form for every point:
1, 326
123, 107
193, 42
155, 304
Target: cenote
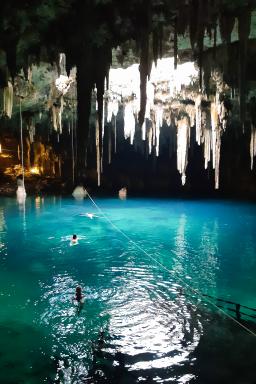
124, 99
141, 321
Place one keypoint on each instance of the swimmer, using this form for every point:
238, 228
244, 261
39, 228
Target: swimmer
122, 193
79, 297
74, 240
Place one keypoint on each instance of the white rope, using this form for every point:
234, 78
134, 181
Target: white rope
203, 298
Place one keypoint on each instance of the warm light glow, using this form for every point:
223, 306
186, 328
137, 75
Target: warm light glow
0, 148
35, 170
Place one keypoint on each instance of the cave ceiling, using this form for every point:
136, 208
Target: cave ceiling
97, 34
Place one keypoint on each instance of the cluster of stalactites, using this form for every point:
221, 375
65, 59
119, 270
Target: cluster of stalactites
8, 99
209, 122
209, 127
59, 88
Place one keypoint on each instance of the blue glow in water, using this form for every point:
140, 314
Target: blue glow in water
139, 322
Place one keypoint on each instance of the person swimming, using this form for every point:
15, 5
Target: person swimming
78, 295
74, 240
122, 193
78, 299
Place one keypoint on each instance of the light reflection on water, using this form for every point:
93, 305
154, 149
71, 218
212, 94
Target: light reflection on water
139, 323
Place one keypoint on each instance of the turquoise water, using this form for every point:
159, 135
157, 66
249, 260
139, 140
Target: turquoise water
139, 322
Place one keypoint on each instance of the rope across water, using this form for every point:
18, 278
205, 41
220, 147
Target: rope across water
182, 281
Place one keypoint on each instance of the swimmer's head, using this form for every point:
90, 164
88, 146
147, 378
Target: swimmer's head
74, 237
78, 290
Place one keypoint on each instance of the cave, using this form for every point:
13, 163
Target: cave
64, 77
119, 100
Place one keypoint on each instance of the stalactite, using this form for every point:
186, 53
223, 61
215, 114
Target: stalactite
214, 125
191, 112
30, 74
31, 128
98, 152
253, 144
62, 64
183, 134
143, 131
115, 107
150, 136
109, 111
198, 108
31, 131
129, 122
60, 113
54, 118
112, 109
158, 124
252, 111
207, 137
102, 59
217, 158
153, 131
8, 99
216, 140
57, 110
149, 105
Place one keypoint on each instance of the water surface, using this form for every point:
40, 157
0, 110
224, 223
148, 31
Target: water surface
141, 322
